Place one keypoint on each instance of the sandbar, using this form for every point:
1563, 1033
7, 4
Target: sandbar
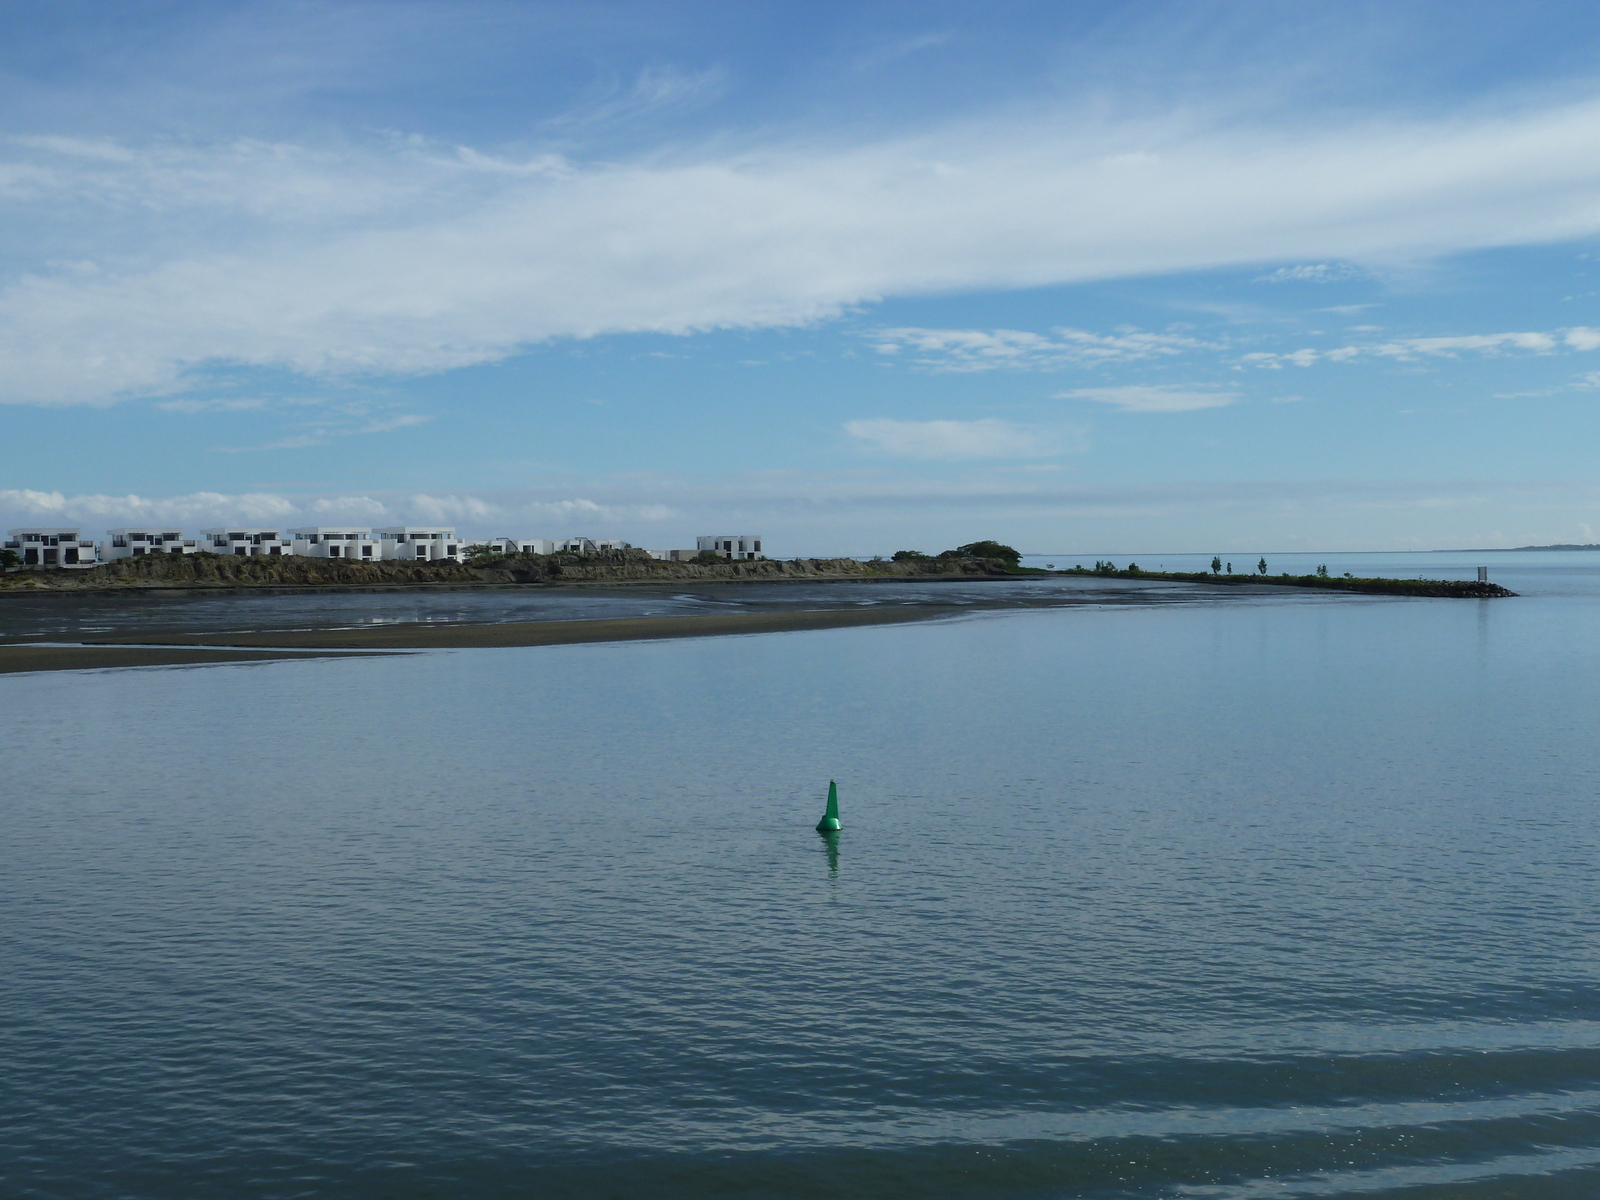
184, 649
19, 658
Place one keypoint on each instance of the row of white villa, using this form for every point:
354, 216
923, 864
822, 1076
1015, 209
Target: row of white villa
63, 546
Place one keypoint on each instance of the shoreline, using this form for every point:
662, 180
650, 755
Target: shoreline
557, 584
875, 574
173, 648
17, 659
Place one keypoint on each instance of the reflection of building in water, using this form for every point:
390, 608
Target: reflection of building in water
53, 546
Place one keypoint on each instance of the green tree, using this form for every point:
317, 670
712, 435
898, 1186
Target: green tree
984, 550
1230, 568
908, 555
9, 559
1261, 566
1322, 571
1216, 565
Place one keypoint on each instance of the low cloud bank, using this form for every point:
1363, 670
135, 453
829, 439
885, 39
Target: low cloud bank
475, 514
805, 513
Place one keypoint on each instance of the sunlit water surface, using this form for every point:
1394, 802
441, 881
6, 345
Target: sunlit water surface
1236, 896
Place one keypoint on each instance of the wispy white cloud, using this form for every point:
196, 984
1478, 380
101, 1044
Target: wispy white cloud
1407, 349
332, 421
403, 256
1017, 349
902, 48
655, 89
1153, 398
440, 510
578, 510
963, 439
192, 407
350, 508
1310, 273
404, 421
297, 441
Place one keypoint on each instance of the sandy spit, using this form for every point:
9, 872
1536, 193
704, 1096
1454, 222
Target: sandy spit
183, 649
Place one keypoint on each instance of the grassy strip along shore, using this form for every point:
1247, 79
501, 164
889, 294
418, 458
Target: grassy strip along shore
204, 571
1462, 589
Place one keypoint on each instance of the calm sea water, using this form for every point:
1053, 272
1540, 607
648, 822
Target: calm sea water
1234, 896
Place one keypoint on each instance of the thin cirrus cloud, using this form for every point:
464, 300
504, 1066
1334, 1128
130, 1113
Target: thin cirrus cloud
145, 261
1310, 273
987, 438
1578, 337
966, 350
1153, 398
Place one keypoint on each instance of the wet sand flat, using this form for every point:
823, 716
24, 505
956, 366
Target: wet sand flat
184, 649
440, 636
14, 659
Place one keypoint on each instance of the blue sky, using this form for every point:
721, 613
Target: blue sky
1119, 277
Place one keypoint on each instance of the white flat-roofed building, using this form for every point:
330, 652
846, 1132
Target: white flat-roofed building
611, 546
131, 543
418, 543
51, 546
335, 541
574, 545
732, 545
523, 545
232, 539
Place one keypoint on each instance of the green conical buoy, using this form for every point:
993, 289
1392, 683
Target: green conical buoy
830, 819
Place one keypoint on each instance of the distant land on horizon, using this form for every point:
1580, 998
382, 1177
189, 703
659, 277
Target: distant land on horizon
1503, 549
